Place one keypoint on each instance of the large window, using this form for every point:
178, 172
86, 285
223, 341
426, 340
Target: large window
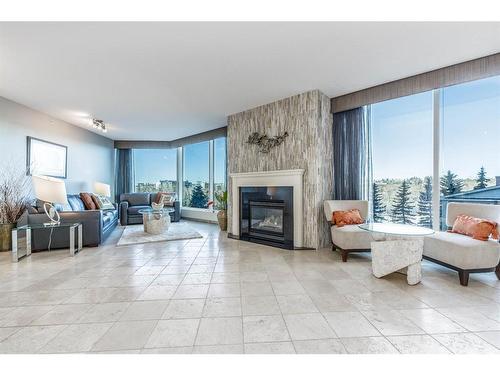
203, 172
402, 160
196, 171
155, 170
464, 154
470, 139
219, 169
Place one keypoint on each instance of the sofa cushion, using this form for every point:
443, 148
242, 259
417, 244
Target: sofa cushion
102, 202
88, 201
135, 209
136, 199
462, 251
76, 203
351, 237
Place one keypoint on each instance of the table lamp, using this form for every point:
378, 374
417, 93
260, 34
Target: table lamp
50, 190
103, 189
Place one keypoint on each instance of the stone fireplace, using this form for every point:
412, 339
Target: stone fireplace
267, 207
303, 161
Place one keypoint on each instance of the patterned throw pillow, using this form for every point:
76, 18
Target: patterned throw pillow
479, 229
103, 203
167, 199
349, 217
88, 202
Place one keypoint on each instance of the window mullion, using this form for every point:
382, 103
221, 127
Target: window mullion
436, 147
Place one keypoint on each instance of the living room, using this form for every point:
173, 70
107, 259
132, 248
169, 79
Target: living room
249, 188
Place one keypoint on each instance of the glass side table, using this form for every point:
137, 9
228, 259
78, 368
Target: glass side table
21, 238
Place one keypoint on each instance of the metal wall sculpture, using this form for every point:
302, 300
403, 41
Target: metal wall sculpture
264, 142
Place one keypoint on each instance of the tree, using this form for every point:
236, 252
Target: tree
451, 184
424, 205
481, 180
198, 197
402, 207
378, 205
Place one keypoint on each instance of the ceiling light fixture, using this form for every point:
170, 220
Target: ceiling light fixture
99, 125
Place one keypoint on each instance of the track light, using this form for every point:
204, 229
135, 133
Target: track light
99, 125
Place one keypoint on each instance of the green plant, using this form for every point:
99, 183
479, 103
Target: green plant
221, 200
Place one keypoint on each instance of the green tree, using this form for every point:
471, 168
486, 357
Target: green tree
451, 184
481, 180
198, 197
402, 207
378, 205
424, 204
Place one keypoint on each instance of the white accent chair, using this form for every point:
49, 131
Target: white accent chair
349, 238
463, 253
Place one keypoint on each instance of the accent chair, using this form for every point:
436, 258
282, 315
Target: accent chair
463, 253
349, 238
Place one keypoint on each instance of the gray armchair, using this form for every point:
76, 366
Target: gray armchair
131, 203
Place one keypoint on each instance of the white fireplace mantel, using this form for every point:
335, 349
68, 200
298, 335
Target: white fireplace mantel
291, 177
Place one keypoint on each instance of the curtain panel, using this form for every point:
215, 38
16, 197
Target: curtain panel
124, 172
352, 154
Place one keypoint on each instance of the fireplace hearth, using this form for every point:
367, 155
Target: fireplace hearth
266, 215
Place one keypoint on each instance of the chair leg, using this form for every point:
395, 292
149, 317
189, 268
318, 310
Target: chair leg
463, 275
343, 254
497, 271
333, 247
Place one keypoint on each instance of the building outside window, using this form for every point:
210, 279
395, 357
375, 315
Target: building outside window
155, 170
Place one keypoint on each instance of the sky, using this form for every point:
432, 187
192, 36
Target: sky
161, 164
470, 132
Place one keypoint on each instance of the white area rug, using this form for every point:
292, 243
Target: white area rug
134, 234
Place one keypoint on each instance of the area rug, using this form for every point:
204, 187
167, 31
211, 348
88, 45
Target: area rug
134, 234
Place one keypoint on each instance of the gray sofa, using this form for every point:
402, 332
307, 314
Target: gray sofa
131, 203
97, 225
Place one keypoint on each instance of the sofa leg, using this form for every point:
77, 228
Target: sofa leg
497, 271
463, 275
333, 247
343, 254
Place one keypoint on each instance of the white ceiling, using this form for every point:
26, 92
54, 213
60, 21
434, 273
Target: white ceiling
164, 81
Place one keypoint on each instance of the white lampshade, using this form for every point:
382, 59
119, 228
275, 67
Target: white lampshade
49, 189
102, 189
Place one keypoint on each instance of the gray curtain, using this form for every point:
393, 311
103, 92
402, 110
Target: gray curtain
124, 172
352, 154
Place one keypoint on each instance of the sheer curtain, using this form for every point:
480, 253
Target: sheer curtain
124, 172
352, 154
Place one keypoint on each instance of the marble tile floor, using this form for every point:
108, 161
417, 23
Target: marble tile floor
216, 295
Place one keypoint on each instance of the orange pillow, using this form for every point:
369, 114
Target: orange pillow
349, 217
479, 229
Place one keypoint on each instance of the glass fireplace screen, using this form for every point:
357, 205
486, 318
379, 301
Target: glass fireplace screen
266, 219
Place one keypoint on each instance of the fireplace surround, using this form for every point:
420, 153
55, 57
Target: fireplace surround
292, 178
266, 215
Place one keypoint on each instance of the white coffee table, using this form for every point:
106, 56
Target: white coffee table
397, 248
156, 221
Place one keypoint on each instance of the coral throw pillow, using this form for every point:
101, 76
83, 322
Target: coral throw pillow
88, 202
349, 217
479, 229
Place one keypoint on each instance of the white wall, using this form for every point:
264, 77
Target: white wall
90, 156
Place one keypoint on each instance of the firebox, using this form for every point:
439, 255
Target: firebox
266, 215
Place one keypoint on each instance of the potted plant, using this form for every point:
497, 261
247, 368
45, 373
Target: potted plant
14, 200
221, 205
